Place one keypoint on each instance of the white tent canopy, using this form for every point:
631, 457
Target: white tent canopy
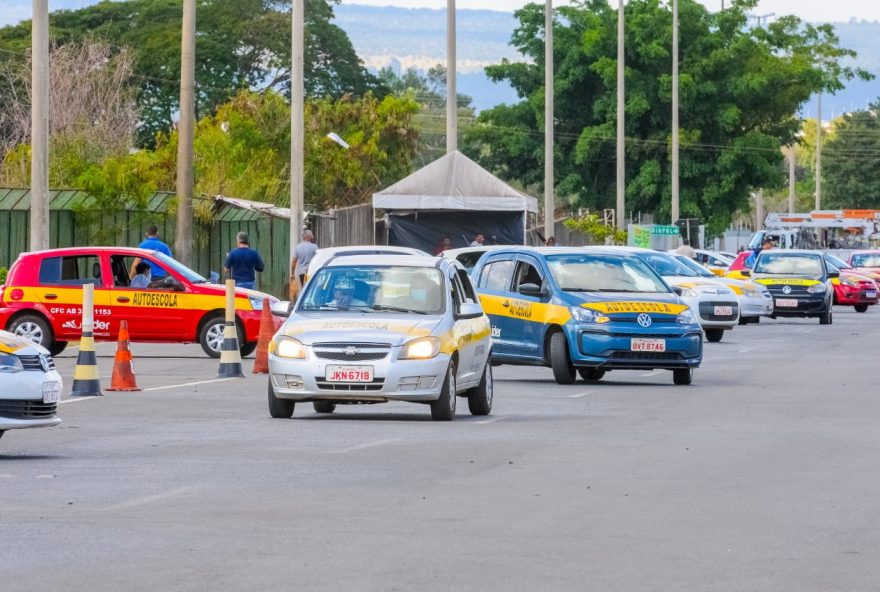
454, 182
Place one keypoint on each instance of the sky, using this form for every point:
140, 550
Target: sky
12, 11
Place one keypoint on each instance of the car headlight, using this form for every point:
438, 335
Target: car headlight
423, 348
587, 315
816, 289
686, 317
10, 363
287, 347
689, 293
751, 292
851, 282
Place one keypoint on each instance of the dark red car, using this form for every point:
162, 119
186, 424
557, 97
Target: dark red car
852, 288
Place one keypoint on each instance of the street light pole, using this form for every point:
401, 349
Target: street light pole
620, 212
39, 225
549, 180
297, 128
451, 92
791, 179
675, 81
183, 245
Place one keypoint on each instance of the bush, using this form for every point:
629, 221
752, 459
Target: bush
3, 272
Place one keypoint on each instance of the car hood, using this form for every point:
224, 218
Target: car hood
395, 329
13, 344
220, 290
709, 286
768, 279
612, 303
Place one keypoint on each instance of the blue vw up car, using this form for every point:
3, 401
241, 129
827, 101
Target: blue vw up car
585, 312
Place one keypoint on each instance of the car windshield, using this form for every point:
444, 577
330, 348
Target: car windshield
667, 265
865, 260
180, 268
603, 273
369, 289
836, 262
694, 266
788, 264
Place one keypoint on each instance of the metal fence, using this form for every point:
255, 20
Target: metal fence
344, 227
565, 237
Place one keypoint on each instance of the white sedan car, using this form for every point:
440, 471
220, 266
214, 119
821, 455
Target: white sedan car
30, 388
375, 329
322, 256
755, 301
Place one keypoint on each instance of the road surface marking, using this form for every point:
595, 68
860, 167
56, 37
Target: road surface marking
651, 373
171, 386
493, 420
78, 399
147, 499
366, 445
575, 396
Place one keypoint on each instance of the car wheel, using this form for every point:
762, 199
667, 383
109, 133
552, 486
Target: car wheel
480, 397
2, 432
211, 337
826, 318
279, 408
744, 320
861, 307
33, 328
248, 348
683, 376
563, 370
714, 335
591, 374
57, 347
324, 406
443, 409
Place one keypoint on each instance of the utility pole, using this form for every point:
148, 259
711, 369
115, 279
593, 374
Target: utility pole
183, 245
620, 214
549, 181
819, 153
759, 209
451, 92
791, 180
40, 126
675, 163
297, 127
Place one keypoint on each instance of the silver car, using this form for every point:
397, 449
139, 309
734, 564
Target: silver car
372, 329
30, 388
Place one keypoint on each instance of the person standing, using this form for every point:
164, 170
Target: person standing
303, 254
242, 263
765, 246
152, 242
445, 245
479, 239
551, 241
686, 249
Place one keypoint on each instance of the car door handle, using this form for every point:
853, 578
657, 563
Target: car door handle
505, 303
122, 299
51, 296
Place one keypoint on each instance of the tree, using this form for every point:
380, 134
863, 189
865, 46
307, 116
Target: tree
851, 160
740, 88
241, 44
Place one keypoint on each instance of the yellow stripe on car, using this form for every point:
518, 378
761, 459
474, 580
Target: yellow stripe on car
637, 307
786, 282
537, 312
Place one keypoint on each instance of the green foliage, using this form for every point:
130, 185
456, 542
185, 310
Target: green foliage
740, 88
850, 162
3, 272
592, 226
241, 44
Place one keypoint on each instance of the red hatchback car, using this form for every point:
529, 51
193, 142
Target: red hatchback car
853, 288
42, 300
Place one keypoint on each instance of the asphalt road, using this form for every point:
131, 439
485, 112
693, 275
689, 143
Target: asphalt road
763, 475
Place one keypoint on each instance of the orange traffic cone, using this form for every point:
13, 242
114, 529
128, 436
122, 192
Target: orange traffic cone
123, 376
267, 330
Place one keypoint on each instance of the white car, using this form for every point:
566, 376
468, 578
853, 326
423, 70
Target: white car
755, 301
716, 306
322, 256
30, 388
375, 329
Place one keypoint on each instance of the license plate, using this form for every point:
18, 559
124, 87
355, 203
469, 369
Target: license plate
871, 294
648, 345
349, 374
787, 302
51, 392
723, 311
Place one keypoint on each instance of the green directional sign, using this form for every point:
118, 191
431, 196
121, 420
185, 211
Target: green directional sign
664, 230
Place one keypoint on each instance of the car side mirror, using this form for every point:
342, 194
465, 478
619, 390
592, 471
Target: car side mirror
533, 290
746, 272
469, 310
833, 274
282, 308
678, 290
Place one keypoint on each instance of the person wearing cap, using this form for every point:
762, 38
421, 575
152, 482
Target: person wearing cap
242, 263
343, 295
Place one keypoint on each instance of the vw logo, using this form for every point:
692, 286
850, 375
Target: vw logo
786, 289
350, 350
644, 320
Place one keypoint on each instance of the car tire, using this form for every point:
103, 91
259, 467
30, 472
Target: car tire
247, 348
443, 409
683, 376
2, 432
826, 318
861, 307
33, 328
744, 320
212, 334
324, 406
279, 408
591, 374
57, 348
714, 335
560, 362
480, 397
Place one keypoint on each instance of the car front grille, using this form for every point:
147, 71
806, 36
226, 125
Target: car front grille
27, 409
707, 311
630, 355
33, 362
355, 357
350, 387
351, 352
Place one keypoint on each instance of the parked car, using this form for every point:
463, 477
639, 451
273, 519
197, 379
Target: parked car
375, 329
585, 312
30, 388
852, 288
42, 300
755, 301
713, 261
800, 282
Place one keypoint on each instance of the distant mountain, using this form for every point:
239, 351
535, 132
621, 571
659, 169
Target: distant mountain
404, 37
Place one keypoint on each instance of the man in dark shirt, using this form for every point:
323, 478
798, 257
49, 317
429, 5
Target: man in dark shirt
242, 262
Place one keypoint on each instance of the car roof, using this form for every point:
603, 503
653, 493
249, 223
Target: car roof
386, 260
455, 252
334, 251
866, 252
134, 251
794, 252
544, 251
